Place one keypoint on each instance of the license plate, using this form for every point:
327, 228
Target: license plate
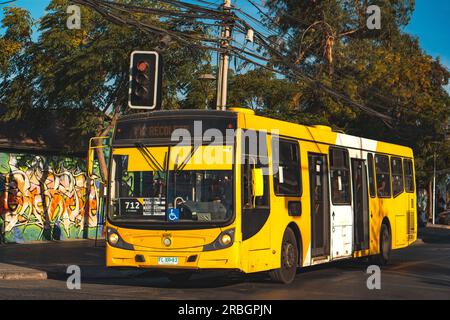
168, 260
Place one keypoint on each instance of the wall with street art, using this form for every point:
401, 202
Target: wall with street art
47, 198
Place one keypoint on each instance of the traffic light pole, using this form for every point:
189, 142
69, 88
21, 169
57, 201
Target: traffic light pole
222, 76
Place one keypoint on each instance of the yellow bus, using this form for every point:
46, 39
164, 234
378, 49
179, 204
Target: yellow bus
203, 189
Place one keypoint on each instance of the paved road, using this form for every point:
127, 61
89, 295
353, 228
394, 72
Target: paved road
421, 271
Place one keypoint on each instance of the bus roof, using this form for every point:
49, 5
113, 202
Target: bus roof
247, 119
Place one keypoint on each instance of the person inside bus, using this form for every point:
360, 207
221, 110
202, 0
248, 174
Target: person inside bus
125, 184
221, 191
335, 188
382, 186
158, 188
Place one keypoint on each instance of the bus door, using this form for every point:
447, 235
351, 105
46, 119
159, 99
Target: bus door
341, 204
320, 209
409, 188
360, 205
255, 209
400, 203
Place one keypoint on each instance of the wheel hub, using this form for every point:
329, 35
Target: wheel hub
288, 255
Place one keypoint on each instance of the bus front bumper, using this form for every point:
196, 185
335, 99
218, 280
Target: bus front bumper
217, 259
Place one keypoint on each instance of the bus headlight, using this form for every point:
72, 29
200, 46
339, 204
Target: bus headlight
116, 241
113, 238
224, 240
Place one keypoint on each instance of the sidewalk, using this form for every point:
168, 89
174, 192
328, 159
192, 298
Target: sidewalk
438, 226
42, 260
13, 272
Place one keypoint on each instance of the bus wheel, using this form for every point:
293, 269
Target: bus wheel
382, 258
289, 259
179, 277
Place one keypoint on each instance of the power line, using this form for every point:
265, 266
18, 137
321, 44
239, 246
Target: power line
6, 2
105, 9
264, 42
339, 76
202, 42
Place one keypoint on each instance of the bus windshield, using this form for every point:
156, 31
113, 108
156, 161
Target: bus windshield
148, 189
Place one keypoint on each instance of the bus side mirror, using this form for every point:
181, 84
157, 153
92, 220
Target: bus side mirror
257, 182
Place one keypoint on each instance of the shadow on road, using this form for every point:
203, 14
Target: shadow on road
54, 258
221, 279
434, 235
157, 279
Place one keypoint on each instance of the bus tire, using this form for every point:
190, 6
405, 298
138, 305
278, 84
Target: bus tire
289, 259
179, 277
383, 257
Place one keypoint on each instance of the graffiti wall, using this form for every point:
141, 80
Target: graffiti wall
47, 198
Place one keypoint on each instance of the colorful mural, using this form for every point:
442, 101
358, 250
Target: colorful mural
47, 198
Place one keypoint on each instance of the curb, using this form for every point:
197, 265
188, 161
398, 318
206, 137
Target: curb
27, 275
438, 226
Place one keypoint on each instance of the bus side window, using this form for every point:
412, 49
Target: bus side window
340, 176
383, 176
371, 175
409, 175
397, 176
286, 166
254, 155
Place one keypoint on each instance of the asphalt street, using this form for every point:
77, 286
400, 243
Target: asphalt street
421, 271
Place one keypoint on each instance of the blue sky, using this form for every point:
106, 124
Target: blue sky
430, 23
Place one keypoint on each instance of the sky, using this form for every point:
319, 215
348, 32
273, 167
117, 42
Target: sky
430, 23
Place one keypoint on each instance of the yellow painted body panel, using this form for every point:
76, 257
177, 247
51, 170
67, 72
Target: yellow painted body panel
185, 243
205, 157
262, 251
137, 161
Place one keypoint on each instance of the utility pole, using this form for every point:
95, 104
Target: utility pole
222, 76
434, 186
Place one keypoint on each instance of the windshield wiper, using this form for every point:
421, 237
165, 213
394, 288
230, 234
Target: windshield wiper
149, 157
186, 160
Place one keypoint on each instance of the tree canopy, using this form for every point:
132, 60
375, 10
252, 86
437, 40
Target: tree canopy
385, 69
86, 70
83, 74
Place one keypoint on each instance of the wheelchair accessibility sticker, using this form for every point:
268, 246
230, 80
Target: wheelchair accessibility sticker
174, 214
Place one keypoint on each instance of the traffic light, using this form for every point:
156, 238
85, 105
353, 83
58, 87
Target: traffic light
145, 80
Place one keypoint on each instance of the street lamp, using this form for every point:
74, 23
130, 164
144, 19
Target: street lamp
205, 80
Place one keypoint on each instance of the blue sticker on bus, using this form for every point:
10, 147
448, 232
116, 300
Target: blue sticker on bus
174, 214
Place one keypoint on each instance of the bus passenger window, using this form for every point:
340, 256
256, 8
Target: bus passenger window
383, 176
340, 176
286, 168
397, 176
371, 175
409, 175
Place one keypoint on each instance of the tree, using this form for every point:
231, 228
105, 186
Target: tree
84, 70
385, 69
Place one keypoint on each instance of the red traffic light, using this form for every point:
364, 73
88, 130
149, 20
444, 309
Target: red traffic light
142, 66
145, 80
